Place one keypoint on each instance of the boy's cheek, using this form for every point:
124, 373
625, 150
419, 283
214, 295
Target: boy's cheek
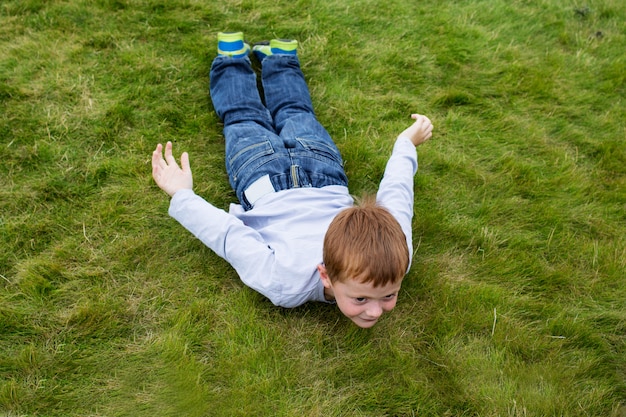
348, 310
392, 305
345, 310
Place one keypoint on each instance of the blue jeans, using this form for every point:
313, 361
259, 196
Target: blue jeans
280, 139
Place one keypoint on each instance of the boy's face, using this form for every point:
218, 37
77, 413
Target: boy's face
361, 302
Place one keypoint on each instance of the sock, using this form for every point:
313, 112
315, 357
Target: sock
275, 47
231, 44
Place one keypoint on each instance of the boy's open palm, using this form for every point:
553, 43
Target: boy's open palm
420, 131
166, 172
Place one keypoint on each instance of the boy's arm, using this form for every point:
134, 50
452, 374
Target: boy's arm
396, 188
240, 245
223, 233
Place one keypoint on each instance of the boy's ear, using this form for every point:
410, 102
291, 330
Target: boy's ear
324, 276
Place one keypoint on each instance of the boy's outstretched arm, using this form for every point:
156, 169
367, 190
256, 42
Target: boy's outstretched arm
396, 191
420, 131
166, 172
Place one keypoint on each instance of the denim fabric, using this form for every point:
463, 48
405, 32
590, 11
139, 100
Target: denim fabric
281, 138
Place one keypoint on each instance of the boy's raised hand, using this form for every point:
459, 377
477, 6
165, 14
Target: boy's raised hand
420, 131
166, 172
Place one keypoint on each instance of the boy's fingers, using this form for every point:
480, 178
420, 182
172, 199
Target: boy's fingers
421, 121
157, 156
169, 158
184, 161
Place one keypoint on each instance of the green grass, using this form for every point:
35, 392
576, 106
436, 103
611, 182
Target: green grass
515, 304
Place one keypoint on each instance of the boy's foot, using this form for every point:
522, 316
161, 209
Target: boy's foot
275, 47
231, 44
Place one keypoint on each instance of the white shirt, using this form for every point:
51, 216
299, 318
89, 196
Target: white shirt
276, 246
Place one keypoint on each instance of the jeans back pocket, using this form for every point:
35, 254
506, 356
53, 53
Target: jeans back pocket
246, 155
321, 148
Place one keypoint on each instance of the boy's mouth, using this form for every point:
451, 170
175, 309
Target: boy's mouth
368, 322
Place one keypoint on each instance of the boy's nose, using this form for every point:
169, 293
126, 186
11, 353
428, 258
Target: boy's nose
374, 311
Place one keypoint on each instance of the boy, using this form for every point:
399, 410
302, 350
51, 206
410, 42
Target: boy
296, 235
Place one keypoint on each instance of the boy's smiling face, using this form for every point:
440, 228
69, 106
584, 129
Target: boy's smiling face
361, 302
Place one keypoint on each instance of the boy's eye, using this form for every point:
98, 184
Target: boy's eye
360, 299
390, 296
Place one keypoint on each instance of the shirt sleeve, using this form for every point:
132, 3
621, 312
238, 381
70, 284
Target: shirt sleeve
240, 245
396, 188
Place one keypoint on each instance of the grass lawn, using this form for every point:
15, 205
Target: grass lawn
516, 301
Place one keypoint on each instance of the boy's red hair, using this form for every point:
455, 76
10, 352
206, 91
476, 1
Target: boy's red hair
366, 243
